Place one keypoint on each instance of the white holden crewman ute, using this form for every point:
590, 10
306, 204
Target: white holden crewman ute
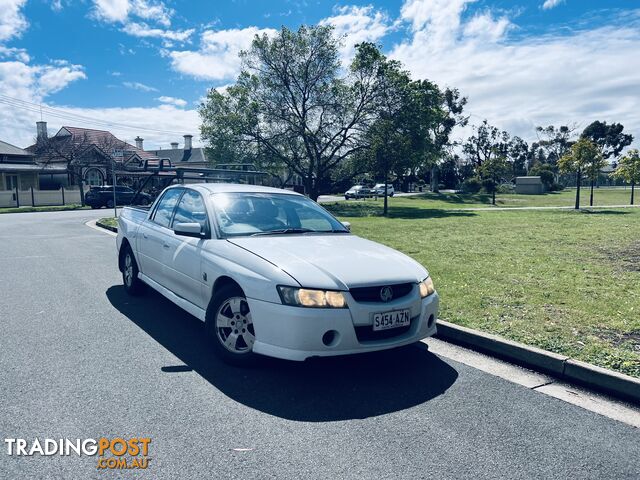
271, 272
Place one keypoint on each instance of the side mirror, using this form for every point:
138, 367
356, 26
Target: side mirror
189, 230
347, 225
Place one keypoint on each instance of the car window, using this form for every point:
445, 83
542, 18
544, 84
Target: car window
262, 213
165, 208
191, 209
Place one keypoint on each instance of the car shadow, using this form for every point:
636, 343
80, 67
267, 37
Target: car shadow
318, 390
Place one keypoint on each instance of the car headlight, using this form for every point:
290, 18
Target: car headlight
426, 287
306, 297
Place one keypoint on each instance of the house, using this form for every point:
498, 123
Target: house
188, 156
75, 153
18, 169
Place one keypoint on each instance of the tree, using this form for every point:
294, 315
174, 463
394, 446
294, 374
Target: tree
610, 139
629, 170
518, 153
446, 115
77, 151
292, 101
555, 141
491, 172
584, 155
487, 143
389, 136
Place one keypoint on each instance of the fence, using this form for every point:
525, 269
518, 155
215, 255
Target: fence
38, 198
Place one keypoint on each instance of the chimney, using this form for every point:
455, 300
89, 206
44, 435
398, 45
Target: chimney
41, 129
139, 142
187, 142
174, 145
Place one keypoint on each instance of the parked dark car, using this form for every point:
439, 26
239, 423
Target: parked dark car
98, 197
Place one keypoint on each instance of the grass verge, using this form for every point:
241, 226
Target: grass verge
51, 208
109, 221
564, 281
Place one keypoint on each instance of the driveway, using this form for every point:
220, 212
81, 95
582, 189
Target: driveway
81, 359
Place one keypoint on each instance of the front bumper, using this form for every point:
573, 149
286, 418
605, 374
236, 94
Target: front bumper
295, 333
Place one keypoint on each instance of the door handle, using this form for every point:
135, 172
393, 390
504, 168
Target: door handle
166, 245
144, 235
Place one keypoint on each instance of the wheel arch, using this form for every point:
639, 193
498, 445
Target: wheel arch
123, 248
223, 281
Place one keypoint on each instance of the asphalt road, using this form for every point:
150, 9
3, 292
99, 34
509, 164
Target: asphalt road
80, 359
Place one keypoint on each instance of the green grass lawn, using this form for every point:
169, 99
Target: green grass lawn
561, 280
52, 208
111, 221
566, 198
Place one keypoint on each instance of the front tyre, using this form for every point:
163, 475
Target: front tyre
132, 284
230, 326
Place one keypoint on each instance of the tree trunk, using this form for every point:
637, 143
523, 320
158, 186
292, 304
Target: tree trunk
578, 181
386, 206
434, 179
591, 195
493, 197
633, 187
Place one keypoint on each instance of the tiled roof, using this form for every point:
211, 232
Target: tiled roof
179, 155
8, 149
86, 136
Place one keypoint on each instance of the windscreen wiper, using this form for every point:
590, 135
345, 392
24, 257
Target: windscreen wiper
284, 231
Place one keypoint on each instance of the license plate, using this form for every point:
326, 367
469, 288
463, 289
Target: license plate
393, 319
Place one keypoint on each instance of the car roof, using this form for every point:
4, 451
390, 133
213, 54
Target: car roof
235, 188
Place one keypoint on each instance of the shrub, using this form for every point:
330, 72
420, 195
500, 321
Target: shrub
548, 178
506, 188
556, 187
489, 185
471, 185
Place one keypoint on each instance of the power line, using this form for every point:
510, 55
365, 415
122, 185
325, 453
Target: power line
65, 115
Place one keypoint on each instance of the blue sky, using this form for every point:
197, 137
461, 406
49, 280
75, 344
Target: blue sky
140, 67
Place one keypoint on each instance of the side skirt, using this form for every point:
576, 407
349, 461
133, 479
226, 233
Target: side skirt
179, 301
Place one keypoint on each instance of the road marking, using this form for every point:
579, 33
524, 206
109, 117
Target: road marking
545, 384
92, 224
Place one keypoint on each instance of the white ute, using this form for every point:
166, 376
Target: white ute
271, 272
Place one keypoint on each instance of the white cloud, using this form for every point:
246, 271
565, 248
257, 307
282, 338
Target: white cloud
356, 25
20, 82
143, 30
112, 10
178, 102
56, 5
14, 53
572, 76
217, 57
139, 86
120, 11
12, 21
549, 4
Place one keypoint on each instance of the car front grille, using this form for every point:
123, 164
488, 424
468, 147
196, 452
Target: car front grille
372, 294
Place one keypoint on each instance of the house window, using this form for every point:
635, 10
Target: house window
12, 181
94, 177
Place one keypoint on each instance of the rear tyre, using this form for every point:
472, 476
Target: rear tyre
230, 326
109, 203
132, 284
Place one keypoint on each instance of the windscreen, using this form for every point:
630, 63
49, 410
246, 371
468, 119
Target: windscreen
242, 214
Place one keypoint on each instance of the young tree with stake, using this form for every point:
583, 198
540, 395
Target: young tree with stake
629, 170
